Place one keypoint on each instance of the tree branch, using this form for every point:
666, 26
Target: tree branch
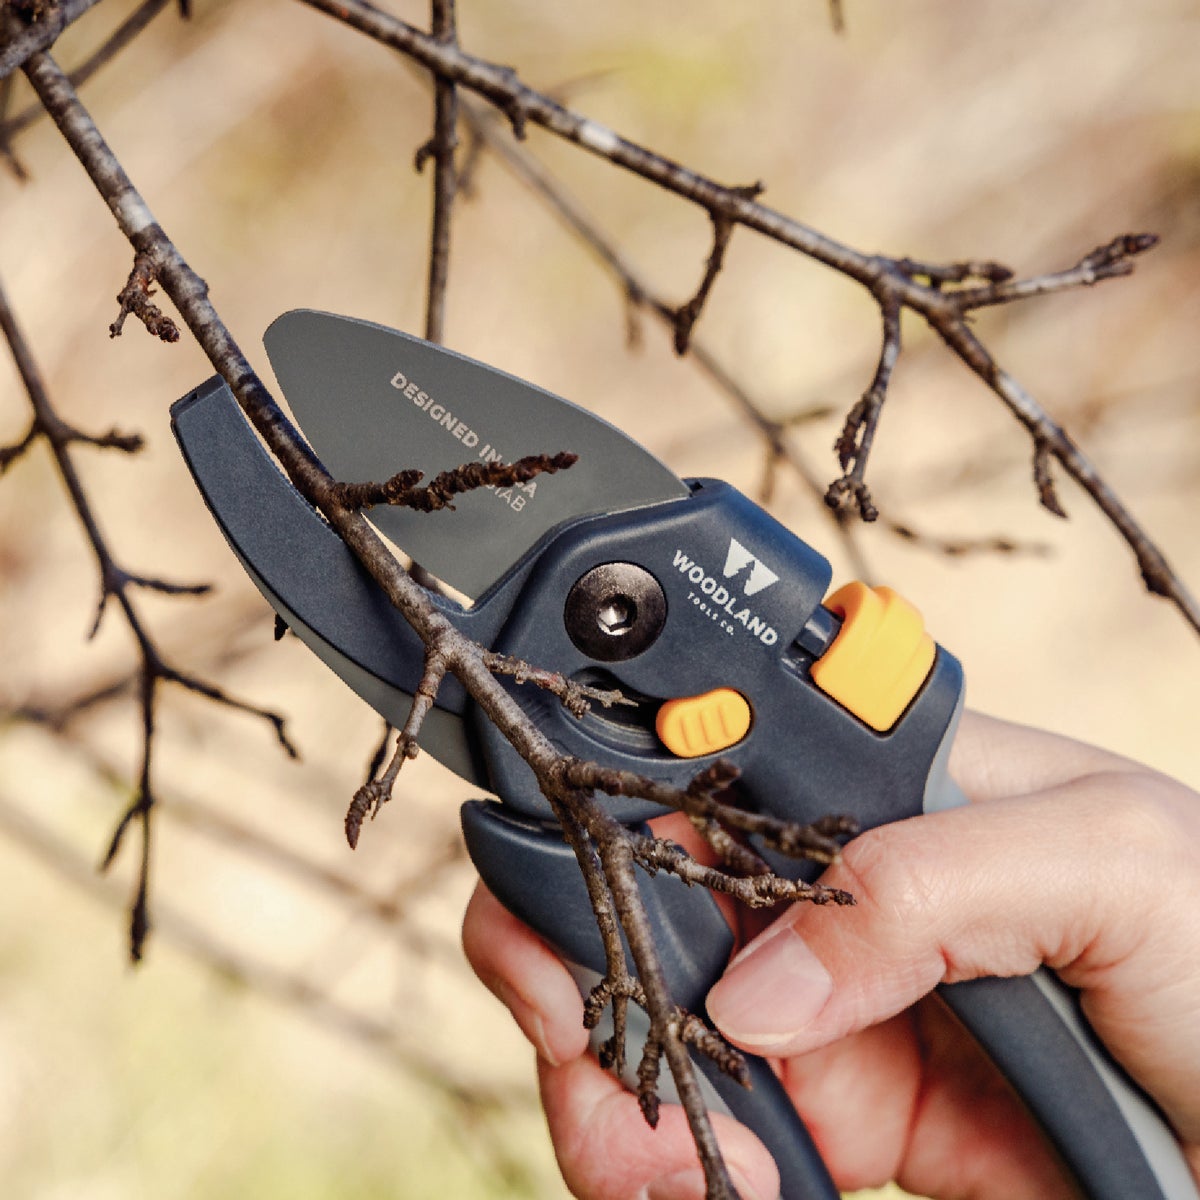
40, 35
401, 490
858, 435
375, 793
116, 583
134, 298
896, 283
686, 316
441, 147
640, 296
462, 657
117, 41
608, 853
577, 698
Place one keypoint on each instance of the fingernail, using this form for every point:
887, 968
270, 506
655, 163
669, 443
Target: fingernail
771, 991
529, 1019
690, 1185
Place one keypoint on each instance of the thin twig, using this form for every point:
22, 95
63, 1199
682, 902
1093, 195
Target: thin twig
402, 490
896, 283
122, 36
39, 36
134, 298
854, 444
441, 147
754, 891
640, 296
577, 698
375, 793
1158, 575
687, 315
617, 861
116, 583
1110, 261
819, 841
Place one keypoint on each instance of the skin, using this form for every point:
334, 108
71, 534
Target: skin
1067, 856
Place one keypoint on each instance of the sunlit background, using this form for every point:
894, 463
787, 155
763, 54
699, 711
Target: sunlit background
304, 1026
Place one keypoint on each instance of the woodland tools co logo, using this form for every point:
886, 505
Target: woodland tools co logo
761, 576
723, 604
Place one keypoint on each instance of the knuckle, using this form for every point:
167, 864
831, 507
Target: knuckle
1152, 821
890, 873
904, 901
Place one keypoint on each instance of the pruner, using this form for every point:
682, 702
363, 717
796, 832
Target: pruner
691, 600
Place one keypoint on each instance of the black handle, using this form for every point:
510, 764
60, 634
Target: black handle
1107, 1130
533, 873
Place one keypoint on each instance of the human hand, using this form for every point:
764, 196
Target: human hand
1078, 859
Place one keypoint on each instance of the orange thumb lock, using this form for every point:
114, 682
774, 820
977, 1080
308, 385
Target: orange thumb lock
880, 657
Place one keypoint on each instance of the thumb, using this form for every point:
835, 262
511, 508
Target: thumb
1079, 877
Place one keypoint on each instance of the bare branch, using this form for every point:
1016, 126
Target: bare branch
59, 433
693, 1032
1044, 479
755, 891
401, 491
577, 698
120, 37
939, 275
663, 1037
818, 842
686, 317
134, 298
858, 435
735, 854
1109, 261
375, 793
441, 147
116, 582
40, 35
896, 283
220, 697
1157, 574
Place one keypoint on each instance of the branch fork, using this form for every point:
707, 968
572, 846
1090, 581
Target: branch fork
134, 298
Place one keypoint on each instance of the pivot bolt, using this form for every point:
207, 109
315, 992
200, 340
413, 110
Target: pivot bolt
615, 611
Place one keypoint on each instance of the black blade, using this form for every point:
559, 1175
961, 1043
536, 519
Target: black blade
373, 401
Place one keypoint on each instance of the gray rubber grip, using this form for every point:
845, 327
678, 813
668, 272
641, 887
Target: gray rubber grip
1107, 1130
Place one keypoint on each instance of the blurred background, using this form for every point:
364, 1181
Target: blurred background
304, 1025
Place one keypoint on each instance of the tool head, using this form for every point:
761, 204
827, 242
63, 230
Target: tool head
689, 599
373, 401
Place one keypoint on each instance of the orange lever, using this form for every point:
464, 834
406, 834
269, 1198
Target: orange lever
692, 726
880, 657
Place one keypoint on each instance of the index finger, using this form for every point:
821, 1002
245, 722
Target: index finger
992, 759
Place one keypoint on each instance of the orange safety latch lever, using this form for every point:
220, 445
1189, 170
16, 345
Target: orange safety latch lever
880, 657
